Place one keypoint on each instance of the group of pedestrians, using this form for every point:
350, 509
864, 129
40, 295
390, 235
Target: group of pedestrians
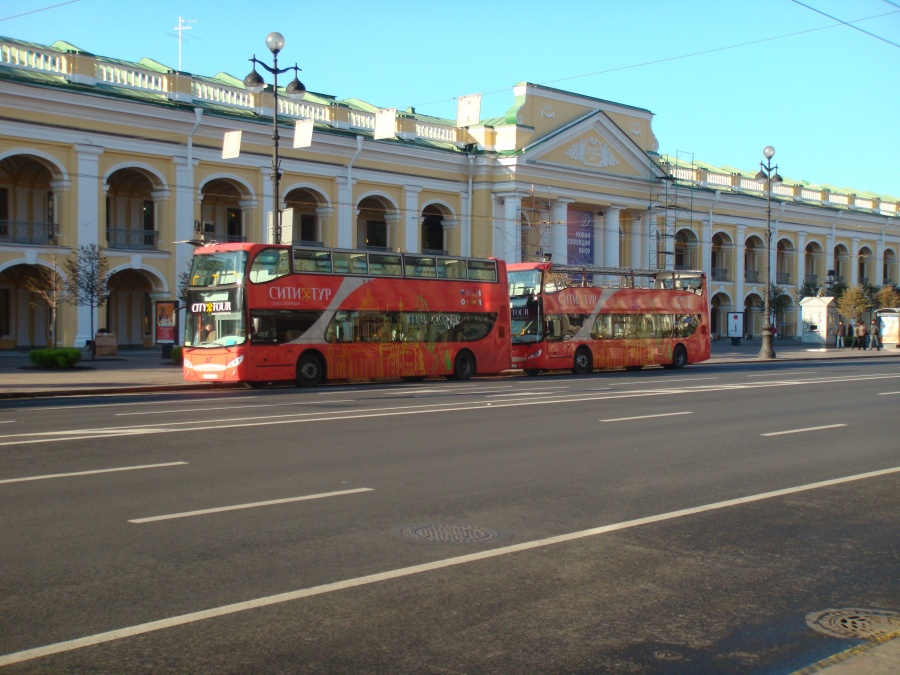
860, 336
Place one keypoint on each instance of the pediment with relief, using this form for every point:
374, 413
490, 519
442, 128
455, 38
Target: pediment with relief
593, 144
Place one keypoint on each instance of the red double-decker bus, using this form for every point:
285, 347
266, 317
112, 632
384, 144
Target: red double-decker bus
585, 318
260, 313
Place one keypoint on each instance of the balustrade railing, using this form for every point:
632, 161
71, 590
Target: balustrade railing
751, 276
21, 232
782, 278
131, 239
719, 274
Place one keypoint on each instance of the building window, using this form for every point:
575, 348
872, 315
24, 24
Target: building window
234, 229
308, 228
433, 233
376, 234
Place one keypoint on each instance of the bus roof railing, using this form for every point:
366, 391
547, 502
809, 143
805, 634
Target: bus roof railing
621, 271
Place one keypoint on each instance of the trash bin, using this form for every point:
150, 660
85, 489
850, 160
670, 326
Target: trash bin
105, 344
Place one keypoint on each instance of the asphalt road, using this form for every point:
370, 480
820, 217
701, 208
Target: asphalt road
663, 521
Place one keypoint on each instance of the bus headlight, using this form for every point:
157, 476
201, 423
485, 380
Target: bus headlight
234, 363
536, 354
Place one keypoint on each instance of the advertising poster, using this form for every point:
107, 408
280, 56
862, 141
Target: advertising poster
580, 237
166, 328
735, 324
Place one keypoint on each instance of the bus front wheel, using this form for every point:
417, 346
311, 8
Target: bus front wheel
310, 371
679, 358
584, 363
463, 366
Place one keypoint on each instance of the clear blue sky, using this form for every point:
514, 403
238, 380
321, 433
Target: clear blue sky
723, 78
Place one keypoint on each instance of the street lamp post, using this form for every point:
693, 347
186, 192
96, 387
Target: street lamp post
769, 174
255, 84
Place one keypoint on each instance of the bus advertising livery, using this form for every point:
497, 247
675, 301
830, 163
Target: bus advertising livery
582, 318
260, 313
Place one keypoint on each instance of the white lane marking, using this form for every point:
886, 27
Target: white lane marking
132, 404
280, 598
793, 372
888, 393
366, 413
88, 473
8, 421
239, 507
645, 417
800, 431
233, 407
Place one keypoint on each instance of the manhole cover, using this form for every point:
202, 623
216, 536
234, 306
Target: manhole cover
454, 534
854, 623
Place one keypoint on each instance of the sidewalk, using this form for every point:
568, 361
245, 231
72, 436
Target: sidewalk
145, 370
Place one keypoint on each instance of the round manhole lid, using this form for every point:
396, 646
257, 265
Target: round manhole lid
453, 534
854, 623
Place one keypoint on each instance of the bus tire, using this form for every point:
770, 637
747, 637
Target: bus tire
463, 366
310, 371
679, 358
413, 378
633, 368
257, 384
532, 372
584, 362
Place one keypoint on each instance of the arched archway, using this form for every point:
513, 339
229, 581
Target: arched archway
719, 307
132, 213
785, 262
841, 264
721, 257
433, 239
28, 204
813, 264
890, 268
754, 260
687, 250
26, 318
222, 203
307, 228
753, 315
376, 224
129, 308
866, 267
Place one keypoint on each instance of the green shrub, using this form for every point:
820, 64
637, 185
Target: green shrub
176, 356
64, 357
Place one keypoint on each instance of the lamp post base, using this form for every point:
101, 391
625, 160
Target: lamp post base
766, 350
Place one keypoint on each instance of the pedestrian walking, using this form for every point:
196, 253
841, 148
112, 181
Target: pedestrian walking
839, 334
861, 332
875, 336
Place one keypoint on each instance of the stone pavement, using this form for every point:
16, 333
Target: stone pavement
145, 370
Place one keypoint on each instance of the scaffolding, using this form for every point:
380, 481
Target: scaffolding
671, 210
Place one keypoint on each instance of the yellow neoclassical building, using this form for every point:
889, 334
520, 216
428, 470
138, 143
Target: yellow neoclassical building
129, 156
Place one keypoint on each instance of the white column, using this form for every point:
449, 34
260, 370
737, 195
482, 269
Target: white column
323, 216
247, 206
878, 272
346, 211
413, 220
507, 229
88, 218
268, 222
638, 223
801, 259
392, 223
739, 268
829, 254
854, 262
706, 247
185, 215
611, 236
598, 241
559, 228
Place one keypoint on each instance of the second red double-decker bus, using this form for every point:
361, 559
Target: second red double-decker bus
582, 318
258, 313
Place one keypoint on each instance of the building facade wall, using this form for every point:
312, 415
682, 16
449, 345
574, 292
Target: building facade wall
131, 160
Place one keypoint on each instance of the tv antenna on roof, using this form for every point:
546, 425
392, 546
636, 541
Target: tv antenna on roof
180, 28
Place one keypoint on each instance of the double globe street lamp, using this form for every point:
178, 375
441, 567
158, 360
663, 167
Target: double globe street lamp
769, 174
295, 90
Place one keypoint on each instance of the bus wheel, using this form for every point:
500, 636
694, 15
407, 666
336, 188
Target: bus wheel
309, 371
531, 372
679, 358
413, 378
256, 384
633, 368
463, 366
584, 363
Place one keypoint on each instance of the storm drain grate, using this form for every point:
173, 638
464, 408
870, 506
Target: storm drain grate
854, 623
453, 534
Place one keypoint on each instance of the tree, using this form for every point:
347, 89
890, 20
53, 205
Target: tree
87, 271
839, 288
854, 302
807, 290
779, 301
887, 297
51, 287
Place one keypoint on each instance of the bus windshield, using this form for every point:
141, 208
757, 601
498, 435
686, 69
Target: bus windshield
214, 318
524, 287
222, 268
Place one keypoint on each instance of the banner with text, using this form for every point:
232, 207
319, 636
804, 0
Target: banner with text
580, 237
